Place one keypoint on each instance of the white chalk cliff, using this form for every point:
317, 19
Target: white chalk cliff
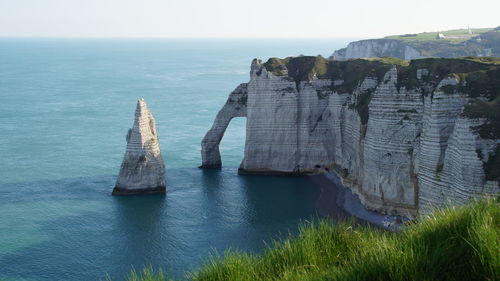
142, 170
483, 45
236, 106
405, 138
376, 48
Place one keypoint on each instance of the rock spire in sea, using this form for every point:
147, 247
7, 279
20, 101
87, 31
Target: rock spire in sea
142, 170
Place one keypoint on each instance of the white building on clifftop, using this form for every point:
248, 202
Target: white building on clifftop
440, 35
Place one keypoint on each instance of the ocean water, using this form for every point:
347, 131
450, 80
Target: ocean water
66, 105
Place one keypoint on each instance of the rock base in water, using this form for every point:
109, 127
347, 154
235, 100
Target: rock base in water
211, 166
123, 191
269, 172
143, 169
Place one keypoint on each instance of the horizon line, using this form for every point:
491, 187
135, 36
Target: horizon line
166, 37
357, 37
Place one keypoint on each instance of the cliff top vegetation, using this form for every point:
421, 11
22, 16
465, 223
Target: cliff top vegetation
478, 77
306, 68
453, 43
454, 35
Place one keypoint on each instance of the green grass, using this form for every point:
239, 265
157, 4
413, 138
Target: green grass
305, 68
430, 36
147, 274
454, 44
298, 68
484, 86
439, 68
452, 244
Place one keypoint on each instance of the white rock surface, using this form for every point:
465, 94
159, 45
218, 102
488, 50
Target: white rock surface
376, 48
142, 170
236, 106
413, 153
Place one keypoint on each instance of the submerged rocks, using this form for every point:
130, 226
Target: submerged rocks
142, 170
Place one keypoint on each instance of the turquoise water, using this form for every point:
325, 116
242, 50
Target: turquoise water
65, 108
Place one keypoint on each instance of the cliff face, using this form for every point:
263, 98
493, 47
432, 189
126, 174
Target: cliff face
377, 48
405, 137
142, 170
484, 45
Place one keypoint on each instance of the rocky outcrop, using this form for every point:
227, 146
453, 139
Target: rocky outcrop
406, 137
236, 106
142, 170
376, 48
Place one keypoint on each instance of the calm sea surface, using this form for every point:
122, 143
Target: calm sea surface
65, 107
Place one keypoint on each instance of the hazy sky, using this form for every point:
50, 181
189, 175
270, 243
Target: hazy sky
235, 18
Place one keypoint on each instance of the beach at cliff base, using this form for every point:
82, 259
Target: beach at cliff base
338, 201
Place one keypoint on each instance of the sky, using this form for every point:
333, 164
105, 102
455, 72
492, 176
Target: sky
238, 18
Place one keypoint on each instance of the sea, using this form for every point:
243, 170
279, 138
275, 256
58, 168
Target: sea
65, 108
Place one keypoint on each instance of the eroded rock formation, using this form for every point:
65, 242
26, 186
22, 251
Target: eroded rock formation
406, 137
142, 170
236, 106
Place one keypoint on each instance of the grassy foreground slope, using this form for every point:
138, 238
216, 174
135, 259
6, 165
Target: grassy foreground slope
453, 244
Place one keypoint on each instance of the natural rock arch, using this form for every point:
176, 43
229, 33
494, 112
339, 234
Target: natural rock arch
236, 106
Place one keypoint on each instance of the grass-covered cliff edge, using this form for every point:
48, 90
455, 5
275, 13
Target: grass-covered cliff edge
451, 244
451, 43
479, 77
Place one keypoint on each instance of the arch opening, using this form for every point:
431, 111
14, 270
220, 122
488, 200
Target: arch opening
235, 106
